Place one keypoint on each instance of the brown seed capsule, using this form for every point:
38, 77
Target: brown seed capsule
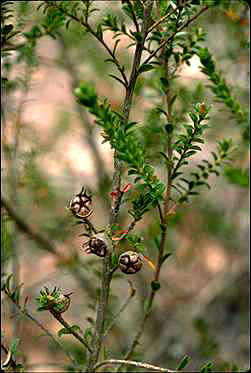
96, 246
130, 262
80, 205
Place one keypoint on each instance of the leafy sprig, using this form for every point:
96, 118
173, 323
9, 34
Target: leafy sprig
204, 170
123, 139
222, 91
187, 143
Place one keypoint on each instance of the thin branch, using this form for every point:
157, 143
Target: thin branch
163, 18
27, 229
116, 186
173, 35
88, 27
33, 319
72, 331
134, 363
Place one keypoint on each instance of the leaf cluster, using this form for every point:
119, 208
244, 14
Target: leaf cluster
187, 143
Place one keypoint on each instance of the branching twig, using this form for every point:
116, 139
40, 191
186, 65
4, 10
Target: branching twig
27, 229
72, 331
116, 186
163, 18
32, 318
164, 42
100, 39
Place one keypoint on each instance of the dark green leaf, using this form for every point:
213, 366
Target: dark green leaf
145, 67
157, 242
155, 285
183, 362
62, 331
189, 153
176, 174
164, 82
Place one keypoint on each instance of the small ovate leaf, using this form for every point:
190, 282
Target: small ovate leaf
99, 32
169, 128
63, 331
214, 155
183, 363
137, 36
7, 283
155, 285
189, 153
207, 368
115, 46
164, 82
176, 174
194, 117
195, 147
198, 139
145, 67
74, 327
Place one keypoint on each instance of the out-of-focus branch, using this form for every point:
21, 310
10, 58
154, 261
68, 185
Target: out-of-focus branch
72, 331
101, 172
47, 245
27, 229
133, 363
32, 318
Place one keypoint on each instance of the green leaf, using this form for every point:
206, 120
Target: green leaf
198, 139
155, 285
207, 368
195, 147
75, 327
13, 346
195, 118
99, 32
88, 333
189, 153
164, 82
137, 36
176, 174
183, 362
145, 67
157, 242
